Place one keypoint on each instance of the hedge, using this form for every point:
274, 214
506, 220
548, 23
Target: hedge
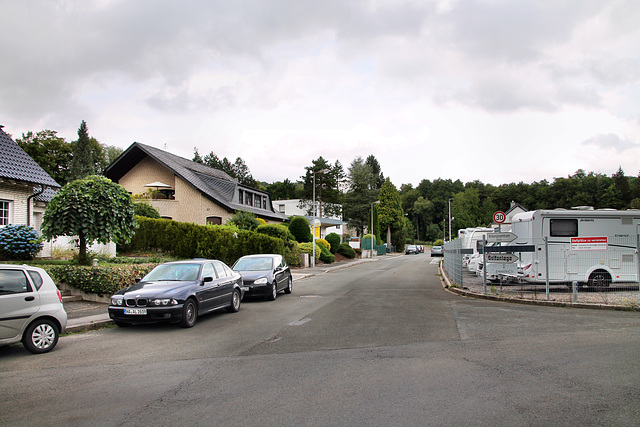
99, 280
334, 240
186, 240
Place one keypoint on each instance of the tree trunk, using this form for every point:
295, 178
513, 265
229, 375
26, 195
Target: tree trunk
389, 236
83, 259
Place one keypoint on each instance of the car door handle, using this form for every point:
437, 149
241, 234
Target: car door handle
29, 298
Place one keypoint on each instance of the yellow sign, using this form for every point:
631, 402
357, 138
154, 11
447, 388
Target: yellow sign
317, 231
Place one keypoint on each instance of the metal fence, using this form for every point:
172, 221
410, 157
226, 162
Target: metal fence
600, 270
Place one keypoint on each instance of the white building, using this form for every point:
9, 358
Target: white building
326, 225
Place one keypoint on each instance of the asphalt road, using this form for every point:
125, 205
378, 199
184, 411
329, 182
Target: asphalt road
377, 344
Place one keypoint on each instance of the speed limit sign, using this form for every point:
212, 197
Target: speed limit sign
499, 217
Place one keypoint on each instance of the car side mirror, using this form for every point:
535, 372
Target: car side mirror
137, 279
207, 279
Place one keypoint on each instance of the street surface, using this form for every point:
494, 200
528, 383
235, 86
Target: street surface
378, 344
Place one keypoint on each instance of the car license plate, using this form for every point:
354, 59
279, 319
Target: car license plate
138, 311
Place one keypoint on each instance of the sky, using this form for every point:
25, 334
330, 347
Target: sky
499, 91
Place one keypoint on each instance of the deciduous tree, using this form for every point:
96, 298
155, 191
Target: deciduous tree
95, 209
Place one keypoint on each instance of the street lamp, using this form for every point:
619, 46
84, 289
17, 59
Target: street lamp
315, 213
372, 227
450, 238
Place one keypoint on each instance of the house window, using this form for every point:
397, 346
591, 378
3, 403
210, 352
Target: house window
240, 197
249, 199
5, 212
257, 202
214, 220
264, 203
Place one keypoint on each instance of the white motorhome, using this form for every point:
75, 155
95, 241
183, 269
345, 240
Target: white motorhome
471, 241
593, 247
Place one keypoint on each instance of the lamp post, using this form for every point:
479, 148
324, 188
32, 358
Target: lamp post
450, 219
372, 227
315, 213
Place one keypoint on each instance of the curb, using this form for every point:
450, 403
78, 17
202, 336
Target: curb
446, 284
88, 326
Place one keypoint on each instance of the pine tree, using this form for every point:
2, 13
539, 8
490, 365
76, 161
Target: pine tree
82, 164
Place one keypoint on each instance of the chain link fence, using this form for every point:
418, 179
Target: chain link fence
598, 270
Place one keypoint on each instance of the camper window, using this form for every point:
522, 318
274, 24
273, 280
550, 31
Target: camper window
564, 227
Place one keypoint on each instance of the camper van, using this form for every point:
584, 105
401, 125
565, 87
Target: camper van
592, 247
471, 241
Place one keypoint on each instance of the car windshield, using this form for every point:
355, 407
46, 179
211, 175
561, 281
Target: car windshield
253, 264
173, 272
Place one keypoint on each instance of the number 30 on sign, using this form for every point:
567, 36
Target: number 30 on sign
499, 217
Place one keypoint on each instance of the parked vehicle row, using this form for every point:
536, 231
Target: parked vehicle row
181, 291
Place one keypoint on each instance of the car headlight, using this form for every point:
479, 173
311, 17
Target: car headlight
116, 301
163, 302
261, 281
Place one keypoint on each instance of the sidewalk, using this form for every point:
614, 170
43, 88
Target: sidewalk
87, 315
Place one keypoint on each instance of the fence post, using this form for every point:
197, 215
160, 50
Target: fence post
638, 254
546, 265
484, 264
575, 290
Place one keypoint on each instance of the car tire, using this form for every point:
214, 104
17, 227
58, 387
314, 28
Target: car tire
41, 336
273, 294
289, 287
599, 279
189, 314
235, 302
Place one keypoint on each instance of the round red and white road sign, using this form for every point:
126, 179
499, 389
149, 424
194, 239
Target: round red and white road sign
499, 217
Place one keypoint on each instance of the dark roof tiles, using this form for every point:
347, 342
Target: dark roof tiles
16, 164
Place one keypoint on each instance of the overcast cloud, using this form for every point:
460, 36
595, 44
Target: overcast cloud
496, 90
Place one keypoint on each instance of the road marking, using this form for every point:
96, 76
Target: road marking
300, 322
310, 296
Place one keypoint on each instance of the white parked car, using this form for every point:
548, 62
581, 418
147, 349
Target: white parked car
31, 308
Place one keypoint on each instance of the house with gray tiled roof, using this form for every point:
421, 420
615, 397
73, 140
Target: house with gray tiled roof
187, 191
25, 188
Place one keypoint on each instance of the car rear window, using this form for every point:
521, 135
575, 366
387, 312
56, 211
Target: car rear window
36, 278
13, 282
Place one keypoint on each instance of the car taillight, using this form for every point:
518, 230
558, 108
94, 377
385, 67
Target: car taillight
59, 295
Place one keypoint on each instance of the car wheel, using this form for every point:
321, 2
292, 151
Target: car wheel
274, 291
235, 302
289, 287
41, 336
189, 314
599, 279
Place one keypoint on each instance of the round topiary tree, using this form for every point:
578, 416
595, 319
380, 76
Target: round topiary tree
300, 228
334, 240
95, 209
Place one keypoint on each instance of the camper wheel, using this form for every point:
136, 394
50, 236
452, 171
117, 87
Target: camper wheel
599, 279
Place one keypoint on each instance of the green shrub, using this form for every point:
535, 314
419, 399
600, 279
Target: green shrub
146, 210
300, 228
276, 230
99, 280
324, 244
346, 251
306, 248
438, 242
19, 242
244, 220
325, 255
334, 240
292, 255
